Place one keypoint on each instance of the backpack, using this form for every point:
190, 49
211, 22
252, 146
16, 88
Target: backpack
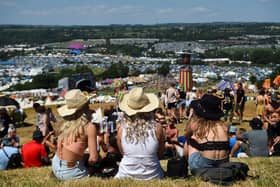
177, 168
245, 98
224, 174
15, 160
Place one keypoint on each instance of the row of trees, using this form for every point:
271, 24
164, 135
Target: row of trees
50, 80
175, 32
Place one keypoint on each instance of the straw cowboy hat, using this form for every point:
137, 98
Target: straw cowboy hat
136, 101
75, 100
208, 107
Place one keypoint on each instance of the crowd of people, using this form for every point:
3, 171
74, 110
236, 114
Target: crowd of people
129, 139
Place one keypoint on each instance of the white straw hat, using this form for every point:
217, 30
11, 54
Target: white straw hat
75, 100
136, 101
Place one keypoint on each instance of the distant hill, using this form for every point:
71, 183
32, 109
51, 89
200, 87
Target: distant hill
38, 34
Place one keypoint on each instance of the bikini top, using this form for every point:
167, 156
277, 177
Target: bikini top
209, 145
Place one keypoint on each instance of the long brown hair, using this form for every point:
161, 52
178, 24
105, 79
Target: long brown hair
204, 126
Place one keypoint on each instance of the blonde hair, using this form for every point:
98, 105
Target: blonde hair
204, 126
73, 127
138, 126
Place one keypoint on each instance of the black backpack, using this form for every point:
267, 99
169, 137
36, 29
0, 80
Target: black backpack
224, 174
15, 160
177, 168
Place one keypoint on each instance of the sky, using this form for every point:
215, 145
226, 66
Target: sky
106, 12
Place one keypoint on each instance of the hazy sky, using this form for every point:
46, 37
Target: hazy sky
104, 12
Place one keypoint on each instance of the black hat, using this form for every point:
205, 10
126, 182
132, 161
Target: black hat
208, 107
37, 134
256, 123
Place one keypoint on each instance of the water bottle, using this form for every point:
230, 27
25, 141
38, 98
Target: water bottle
111, 124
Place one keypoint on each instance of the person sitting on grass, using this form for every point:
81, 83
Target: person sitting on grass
34, 153
207, 135
257, 139
76, 134
140, 138
11, 139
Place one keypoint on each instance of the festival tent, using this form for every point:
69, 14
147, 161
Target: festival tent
77, 46
276, 81
6, 101
210, 74
230, 74
266, 84
225, 84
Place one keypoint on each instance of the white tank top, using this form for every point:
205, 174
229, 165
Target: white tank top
140, 160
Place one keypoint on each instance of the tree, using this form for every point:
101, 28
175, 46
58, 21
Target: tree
164, 69
116, 70
253, 79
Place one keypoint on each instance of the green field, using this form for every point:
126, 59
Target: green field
267, 169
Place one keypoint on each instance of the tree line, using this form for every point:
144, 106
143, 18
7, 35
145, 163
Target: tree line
13, 34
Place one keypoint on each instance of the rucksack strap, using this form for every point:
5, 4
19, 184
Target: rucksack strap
6, 153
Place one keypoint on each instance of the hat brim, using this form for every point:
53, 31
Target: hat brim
206, 114
65, 111
153, 104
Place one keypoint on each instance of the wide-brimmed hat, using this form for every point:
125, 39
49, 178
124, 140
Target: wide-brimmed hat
208, 107
136, 101
75, 100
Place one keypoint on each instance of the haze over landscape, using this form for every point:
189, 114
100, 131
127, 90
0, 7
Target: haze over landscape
97, 12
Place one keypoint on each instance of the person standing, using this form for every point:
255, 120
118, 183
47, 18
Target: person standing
228, 102
240, 101
260, 102
140, 138
172, 96
76, 134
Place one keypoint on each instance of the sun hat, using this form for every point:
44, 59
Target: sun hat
208, 107
75, 100
136, 101
219, 94
232, 129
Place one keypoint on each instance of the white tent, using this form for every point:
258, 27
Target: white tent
230, 74
212, 75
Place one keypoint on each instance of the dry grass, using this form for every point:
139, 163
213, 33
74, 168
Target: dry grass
265, 168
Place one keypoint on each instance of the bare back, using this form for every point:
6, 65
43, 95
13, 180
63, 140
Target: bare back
217, 134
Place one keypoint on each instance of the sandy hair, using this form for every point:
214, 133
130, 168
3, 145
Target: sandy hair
73, 127
138, 126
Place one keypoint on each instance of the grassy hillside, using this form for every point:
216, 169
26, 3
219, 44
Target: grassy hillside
266, 168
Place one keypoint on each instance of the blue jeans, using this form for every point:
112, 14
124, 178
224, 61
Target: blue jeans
196, 160
63, 172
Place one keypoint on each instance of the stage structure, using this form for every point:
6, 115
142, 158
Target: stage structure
185, 72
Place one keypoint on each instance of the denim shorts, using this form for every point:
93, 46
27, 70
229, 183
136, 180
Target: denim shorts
63, 172
181, 103
196, 160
